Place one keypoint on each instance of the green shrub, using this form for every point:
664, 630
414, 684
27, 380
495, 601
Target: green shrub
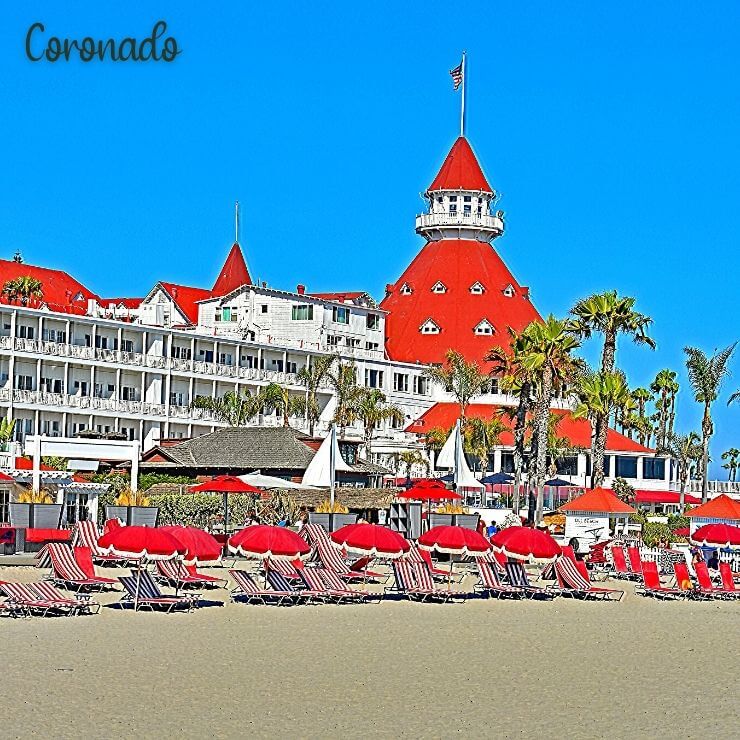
678, 521
147, 480
201, 510
655, 532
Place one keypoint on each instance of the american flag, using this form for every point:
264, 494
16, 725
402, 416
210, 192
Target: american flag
457, 75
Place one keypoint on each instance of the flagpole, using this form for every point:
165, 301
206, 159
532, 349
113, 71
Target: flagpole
332, 465
462, 104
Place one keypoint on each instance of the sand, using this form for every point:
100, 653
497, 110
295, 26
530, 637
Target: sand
509, 669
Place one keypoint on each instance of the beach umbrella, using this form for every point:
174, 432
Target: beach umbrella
525, 543
454, 540
557, 482
201, 547
717, 535
225, 484
429, 494
371, 539
139, 543
267, 541
497, 479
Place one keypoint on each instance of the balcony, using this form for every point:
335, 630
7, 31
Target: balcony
431, 221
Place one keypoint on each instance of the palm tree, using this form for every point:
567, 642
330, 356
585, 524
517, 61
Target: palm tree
276, 397
598, 394
409, 458
733, 460
548, 359
23, 289
311, 375
343, 380
373, 410
666, 387
234, 409
434, 439
7, 427
684, 449
706, 375
480, 436
610, 315
464, 380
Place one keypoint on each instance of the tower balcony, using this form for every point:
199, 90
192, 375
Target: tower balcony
459, 225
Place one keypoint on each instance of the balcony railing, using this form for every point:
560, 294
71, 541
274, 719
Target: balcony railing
430, 220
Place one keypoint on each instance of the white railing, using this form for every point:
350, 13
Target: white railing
715, 487
427, 220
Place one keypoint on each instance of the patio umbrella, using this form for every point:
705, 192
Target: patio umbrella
225, 484
525, 543
497, 479
138, 543
201, 547
371, 539
454, 541
429, 494
717, 535
557, 482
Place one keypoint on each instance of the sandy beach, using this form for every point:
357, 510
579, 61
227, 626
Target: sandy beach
507, 669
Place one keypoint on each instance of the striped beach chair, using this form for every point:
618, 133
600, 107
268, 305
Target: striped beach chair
150, 596
77, 605
517, 576
288, 569
249, 592
573, 582
280, 583
66, 571
176, 573
414, 581
333, 581
86, 534
312, 578
490, 584
24, 598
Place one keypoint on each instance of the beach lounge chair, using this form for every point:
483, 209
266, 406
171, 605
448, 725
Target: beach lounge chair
22, 597
707, 587
83, 558
66, 571
312, 577
149, 595
333, 581
176, 573
684, 582
330, 558
86, 535
289, 569
517, 576
77, 605
490, 583
280, 583
573, 582
728, 580
634, 562
411, 582
248, 591
652, 585
619, 559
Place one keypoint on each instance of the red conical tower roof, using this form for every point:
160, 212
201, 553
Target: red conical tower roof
461, 170
233, 274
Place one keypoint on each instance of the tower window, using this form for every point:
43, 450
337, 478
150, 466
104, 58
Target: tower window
439, 287
467, 199
406, 289
484, 328
477, 288
509, 291
429, 327
466, 210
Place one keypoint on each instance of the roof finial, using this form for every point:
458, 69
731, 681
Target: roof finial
236, 222
462, 97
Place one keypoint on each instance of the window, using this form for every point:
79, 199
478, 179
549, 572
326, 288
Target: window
352, 342
340, 315
373, 321
128, 393
25, 332
429, 327
509, 291
653, 468
401, 382
263, 308
466, 211
218, 314
51, 385
24, 382
291, 367
439, 287
225, 314
421, 385
4, 505
225, 358
484, 328
477, 289
373, 378
406, 289
127, 345
80, 387
626, 467
372, 346
332, 340
54, 335
467, 199
567, 465
302, 313
181, 353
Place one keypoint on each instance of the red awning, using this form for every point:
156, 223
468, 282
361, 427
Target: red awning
663, 497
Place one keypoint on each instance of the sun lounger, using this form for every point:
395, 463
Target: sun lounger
652, 585
315, 583
634, 562
330, 558
176, 573
10, 609
86, 535
78, 605
728, 581
517, 576
149, 595
684, 582
280, 583
21, 596
573, 582
83, 558
414, 581
707, 587
620, 570
66, 571
248, 591
490, 583
288, 569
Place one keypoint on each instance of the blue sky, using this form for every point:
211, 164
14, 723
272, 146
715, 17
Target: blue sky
610, 130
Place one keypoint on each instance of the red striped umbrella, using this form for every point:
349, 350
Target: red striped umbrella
225, 484
454, 540
717, 535
266, 541
525, 543
201, 547
134, 543
371, 539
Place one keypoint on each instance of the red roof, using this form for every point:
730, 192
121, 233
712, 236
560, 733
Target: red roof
61, 291
461, 170
721, 507
346, 295
186, 298
663, 497
458, 264
577, 431
598, 499
6, 478
233, 274
125, 302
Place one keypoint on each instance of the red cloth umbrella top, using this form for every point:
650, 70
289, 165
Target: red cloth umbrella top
525, 543
266, 541
434, 493
371, 539
423, 483
225, 484
201, 547
151, 543
719, 535
454, 540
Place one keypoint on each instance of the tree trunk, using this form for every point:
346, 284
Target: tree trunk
541, 416
610, 350
520, 421
684, 477
706, 433
598, 448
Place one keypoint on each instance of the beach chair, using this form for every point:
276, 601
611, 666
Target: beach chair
176, 573
22, 597
330, 558
684, 582
619, 560
707, 587
247, 590
289, 569
280, 583
10, 609
77, 605
517, 576
86, 535
417, 555
653, 587
728, 580
83, 558
149, 595
414, 581
66, 571
573, 582
490, 583
312, 578
333, 581
634, 562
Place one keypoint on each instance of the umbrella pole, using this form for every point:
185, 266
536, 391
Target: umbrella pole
138, 586
267, 567
226, 513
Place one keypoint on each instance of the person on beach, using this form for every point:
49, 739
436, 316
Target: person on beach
713, 561
492, 529
302, 519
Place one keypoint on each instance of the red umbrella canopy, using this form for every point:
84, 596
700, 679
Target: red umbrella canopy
225, 484
719, 535
432, 493
151, 543
201, 547
424, 483
454, 540
265, 541
371, 539
525, 543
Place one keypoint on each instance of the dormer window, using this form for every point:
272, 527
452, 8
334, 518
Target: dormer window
439, 287
406, 289
484, 328
477, 288
429, 327
509, 291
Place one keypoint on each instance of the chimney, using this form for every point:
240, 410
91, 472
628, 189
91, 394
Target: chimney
388, 288
300, 289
